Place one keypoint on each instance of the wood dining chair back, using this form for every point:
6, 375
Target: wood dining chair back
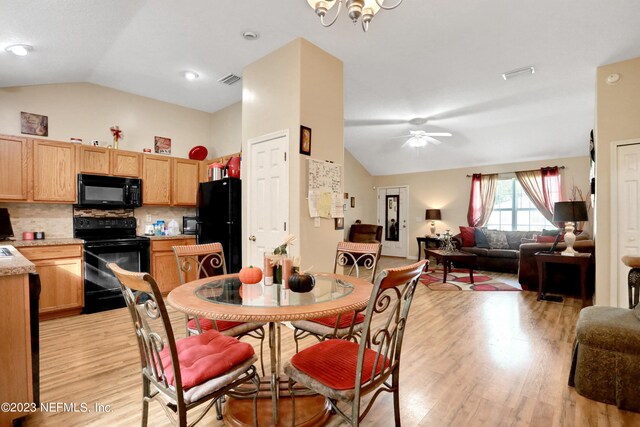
352, 259
345, 371
172, 370
207, 260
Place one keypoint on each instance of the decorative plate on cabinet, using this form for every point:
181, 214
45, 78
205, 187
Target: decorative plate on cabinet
198, 153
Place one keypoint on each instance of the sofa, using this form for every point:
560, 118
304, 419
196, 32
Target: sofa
504, 257
365, 233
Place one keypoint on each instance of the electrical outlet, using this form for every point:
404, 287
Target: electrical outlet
316, 221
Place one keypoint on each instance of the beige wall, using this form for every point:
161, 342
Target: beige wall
617, 119
87, 111
280, 91
359, 184
226, 131
448, 190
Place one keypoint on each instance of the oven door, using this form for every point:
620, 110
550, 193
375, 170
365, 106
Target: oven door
101, 288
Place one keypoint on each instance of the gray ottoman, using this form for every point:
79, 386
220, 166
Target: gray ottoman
606, 356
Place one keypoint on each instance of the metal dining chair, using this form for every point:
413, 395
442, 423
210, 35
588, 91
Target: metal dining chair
207, 260
189, 372
361, 260
345, 371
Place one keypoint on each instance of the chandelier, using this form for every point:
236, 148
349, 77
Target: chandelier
357, 9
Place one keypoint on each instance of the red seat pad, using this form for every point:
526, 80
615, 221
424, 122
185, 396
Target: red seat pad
345, 320
205, 356
334, 362
207, 324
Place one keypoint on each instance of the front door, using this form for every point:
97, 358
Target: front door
392, 216
628, 215
268, 211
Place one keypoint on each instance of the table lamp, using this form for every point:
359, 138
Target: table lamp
433, 215
570, 213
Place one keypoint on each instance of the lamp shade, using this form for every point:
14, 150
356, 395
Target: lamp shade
433, 214
570, 211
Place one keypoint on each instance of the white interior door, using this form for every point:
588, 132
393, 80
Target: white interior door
268, 211
393, 205
628, 215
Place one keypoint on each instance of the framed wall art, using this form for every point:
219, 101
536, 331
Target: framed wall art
162, 145
305, 140
34, 124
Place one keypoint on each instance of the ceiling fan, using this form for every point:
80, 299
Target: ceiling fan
420, 138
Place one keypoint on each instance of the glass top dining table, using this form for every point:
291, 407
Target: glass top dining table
226, 298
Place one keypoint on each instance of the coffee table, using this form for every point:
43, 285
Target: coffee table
447, 257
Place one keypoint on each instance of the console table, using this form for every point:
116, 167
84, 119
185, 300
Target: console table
579, 259
429, 242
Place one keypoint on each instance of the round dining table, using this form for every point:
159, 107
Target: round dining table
226, 298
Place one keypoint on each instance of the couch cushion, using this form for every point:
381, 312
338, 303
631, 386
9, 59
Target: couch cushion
503, 253
481, 238
497, 239
554, 232
548, 239
514, 238
476, 250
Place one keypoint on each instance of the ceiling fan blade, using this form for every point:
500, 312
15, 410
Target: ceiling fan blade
437, 134
403, 136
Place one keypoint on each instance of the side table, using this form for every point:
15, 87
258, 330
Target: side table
429, 242
579, 259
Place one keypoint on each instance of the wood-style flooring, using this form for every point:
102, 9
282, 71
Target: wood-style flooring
469, 359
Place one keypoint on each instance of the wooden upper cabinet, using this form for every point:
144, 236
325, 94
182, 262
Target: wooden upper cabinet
185, 182
13, 168
126, 163
156, 180
54, 171
93, 160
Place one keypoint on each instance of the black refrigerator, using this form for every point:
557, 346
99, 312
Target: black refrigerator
219, 212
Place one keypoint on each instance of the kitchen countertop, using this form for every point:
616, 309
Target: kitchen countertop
179, 236
44, 242
17, 264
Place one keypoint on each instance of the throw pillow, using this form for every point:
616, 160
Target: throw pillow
553, 232
481, 238
547, 239
525, 240
468, 236
497, 239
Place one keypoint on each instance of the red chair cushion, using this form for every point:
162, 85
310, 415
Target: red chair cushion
207, 324
205, 356
334, 362
468, 235
345, 320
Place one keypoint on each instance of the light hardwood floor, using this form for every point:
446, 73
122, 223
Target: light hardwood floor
469, 359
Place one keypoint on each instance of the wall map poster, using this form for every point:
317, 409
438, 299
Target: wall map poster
325, 190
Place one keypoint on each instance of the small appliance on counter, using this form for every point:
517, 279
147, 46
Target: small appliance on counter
189, 224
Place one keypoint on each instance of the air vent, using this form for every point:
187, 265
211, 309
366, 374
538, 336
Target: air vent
229, 79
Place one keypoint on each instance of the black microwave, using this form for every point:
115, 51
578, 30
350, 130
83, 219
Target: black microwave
99, 191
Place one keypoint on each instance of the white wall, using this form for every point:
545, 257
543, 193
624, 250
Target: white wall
359, 184
226, 131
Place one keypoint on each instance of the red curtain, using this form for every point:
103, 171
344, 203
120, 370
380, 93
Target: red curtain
475, 201
551, 187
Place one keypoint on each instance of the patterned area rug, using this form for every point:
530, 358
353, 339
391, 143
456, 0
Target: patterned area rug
458, 280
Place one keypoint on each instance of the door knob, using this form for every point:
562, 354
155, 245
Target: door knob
252, 238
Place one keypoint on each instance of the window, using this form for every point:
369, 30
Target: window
513, 210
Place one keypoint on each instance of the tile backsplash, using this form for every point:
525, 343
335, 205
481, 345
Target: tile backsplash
56, 220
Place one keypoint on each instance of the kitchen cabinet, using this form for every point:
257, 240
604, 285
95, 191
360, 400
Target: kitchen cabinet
13, 168
126, 164
156, 180
15, 358
54, 171
163, 263
93, 160
185, 182
61, 277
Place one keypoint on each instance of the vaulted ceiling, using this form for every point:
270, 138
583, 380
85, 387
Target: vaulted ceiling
440, 60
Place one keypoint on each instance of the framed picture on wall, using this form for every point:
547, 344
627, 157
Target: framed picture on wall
162, 145
305, 140
339, 222
353, 202
34, 124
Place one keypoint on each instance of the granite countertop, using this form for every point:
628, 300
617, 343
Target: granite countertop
179, 236
17, 264
45, 242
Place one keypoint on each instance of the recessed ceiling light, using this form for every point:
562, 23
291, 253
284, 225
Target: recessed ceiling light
250, 35
191, 75
519, 72
19, 49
